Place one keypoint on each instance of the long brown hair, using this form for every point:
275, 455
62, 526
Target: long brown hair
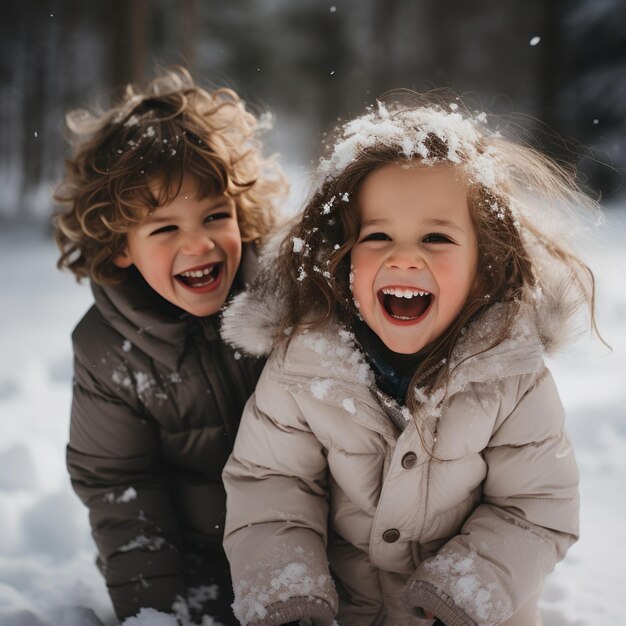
153, 137
508, 187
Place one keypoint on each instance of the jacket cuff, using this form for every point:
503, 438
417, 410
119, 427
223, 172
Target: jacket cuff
293, 610
155, 593
420, 594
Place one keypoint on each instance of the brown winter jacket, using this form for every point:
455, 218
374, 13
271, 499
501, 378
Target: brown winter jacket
324, 488
157, 402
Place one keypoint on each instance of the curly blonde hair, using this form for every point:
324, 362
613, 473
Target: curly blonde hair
150, 139
513, 192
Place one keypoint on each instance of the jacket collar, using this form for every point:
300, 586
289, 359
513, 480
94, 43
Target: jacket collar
548, 318
135, 313
332, 355
150, 323
329, 363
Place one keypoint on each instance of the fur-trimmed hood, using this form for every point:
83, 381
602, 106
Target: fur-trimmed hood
548, 319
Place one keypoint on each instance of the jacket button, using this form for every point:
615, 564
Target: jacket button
391, 536
409, 460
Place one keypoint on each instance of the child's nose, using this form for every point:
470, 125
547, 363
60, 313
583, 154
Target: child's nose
197, 244
406, 257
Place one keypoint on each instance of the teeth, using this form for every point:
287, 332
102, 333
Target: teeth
197, 273
403, 293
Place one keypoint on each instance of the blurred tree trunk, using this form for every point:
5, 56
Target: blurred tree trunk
189, 20
10, 57
442, 49
31, 87
384, 14
128, 35
549, 70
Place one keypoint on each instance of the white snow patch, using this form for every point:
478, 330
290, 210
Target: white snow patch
295, 579
133, 120
348, 405
144, 383
151, 617
141, 542
196, 598
129, 495
320, 388
343, 357
298, 244
458, 574
410, 130
120, 377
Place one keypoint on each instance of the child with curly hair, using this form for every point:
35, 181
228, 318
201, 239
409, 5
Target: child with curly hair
403, 458
165, 200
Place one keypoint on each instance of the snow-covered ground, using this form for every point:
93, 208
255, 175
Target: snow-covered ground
47, 569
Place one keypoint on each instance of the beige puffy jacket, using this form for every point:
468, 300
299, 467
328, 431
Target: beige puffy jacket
334, 513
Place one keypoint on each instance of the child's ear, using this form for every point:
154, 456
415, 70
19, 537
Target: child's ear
123, 260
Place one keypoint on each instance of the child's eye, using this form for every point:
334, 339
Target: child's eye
164, 229
376, 237
221, 215
437, 238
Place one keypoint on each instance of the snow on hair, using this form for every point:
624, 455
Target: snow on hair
533, 184
411, 130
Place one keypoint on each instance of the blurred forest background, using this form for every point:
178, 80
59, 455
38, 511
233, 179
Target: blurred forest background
562, 62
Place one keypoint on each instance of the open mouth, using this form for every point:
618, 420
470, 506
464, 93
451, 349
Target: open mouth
200, 277
405, 304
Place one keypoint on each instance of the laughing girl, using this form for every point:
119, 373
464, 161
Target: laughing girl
403, 457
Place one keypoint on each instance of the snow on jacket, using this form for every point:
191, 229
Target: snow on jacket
156, 405
322, 487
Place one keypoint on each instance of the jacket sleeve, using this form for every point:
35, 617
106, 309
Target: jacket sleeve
276, 514
524, 525
113, 461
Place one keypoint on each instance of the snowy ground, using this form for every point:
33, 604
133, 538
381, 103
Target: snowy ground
46, 554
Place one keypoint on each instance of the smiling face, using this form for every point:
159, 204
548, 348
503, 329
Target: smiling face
189, 250
415, 260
